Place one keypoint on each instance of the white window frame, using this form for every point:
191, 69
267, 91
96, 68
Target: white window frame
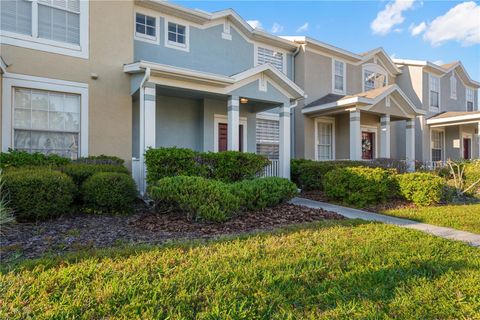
47, 45
443, 144
283, 52
175, 45
453, 86
433, 109
344, 77
473, 98
327, 120
220, 118
11, 81
145, 37
375, 68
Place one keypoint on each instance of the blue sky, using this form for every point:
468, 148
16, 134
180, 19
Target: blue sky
446, 30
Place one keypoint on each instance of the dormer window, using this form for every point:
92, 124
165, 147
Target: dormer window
453, 87
374, 77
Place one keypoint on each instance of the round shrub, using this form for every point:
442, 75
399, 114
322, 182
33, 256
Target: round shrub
263, 192
200, 198
233, 166
109, 192
358, 186
80, 172
38, 194
169, 162
421, 188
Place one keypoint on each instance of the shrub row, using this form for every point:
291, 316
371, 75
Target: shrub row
360, 186
38, 193
216, 201
229, 166
309, 174
16, 159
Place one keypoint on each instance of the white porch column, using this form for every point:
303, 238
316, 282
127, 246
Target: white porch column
385, 136
478, 139
233, 123
284, 148
147, 128
355, 136
410, 144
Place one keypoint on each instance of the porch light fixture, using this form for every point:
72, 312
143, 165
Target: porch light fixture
243, 100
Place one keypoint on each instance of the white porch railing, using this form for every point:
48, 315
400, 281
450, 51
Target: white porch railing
137, 173
272, 170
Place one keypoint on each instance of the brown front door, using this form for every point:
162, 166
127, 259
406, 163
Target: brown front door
467, 143
223, 137
367, 145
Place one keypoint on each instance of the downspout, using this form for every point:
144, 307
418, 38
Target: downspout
295, 53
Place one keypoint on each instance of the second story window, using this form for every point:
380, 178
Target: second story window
58, 26
176, 33
434, 92
338, 77
470, 98
145, 26
275, 58
453, 87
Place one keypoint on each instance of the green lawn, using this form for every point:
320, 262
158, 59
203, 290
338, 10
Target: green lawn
339, 270
461, 217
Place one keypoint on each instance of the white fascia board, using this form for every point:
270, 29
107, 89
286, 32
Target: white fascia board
339, 103
333, 48
468, 117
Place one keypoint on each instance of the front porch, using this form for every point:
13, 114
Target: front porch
202, 115
359, 127
453, 136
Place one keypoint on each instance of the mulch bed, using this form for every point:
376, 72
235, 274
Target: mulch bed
82, 231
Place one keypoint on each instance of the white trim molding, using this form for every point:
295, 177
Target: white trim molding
34, 42
12, 80
466, 135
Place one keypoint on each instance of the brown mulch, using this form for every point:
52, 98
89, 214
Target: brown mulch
83, 231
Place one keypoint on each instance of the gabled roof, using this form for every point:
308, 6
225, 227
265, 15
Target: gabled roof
345, 54
367, 98
203, 17
441, 69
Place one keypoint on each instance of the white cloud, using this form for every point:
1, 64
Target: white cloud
461, 24
390, 16
415, 30
276, 28
303, 27
256, 24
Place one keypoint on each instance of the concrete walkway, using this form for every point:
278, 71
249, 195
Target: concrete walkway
447, 233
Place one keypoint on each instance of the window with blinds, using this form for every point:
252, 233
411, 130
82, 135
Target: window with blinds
268, 136
339, 76
470, 93
46, 122
16, 16
265, 55
58, 20
324, 141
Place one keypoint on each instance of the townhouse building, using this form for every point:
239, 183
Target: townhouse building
83, 78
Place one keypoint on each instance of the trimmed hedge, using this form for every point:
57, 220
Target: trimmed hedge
263, 192
80, 172
17, 159
101, 159
230, 166
358, 186
38, 194
421, 188
109, 192
200, 198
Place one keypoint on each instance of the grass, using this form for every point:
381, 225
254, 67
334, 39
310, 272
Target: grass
461, 217
341, 270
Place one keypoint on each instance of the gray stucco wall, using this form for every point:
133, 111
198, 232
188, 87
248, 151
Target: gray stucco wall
179, 122
342, 136
452, 136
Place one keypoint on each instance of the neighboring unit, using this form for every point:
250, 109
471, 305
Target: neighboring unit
450, 127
